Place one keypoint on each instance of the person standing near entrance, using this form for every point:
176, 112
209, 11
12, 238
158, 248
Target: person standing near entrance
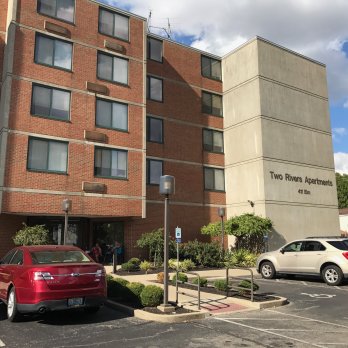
117, 247
96, 253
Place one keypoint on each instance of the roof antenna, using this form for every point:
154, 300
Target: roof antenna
167, 30
149, 21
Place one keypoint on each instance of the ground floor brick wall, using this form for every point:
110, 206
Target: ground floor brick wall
9, 225
189, 218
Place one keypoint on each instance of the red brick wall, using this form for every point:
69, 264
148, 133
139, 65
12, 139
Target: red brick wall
85, 28
189, 218
84, 68
3, 14
9, 225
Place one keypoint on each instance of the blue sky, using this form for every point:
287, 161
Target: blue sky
315, 28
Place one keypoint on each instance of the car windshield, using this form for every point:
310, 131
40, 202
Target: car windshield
58, 256
339, 244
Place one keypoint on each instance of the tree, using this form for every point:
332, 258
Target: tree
32, 235
342, 190
154, 242
249, 230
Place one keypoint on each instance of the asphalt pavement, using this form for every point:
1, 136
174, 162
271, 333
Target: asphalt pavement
316, 316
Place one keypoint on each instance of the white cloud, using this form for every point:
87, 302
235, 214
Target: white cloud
317, 29
339, 131
341, 162
345, 105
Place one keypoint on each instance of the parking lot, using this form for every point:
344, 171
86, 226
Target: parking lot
315, 317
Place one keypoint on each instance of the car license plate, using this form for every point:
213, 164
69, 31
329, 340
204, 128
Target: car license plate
74, 302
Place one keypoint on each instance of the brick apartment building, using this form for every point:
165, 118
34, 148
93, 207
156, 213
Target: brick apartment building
94, 109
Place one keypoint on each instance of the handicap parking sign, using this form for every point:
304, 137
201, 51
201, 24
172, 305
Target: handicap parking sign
178, 233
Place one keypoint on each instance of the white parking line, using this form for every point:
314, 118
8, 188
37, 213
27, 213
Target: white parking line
271, 333
309, 319
2, 344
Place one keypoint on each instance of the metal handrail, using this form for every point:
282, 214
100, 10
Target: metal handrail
239, 287
183, 293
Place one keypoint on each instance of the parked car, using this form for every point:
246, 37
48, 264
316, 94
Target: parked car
36, 279
324, 256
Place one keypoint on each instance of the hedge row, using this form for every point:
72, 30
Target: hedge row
135, 293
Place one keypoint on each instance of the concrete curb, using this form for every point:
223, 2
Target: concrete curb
279, 301
163, 318
169, 318
178, 318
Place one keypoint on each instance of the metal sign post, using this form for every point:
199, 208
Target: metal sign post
178, 240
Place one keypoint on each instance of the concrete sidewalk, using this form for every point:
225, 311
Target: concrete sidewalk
210, 303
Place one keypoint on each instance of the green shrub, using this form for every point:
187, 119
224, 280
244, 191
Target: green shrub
109, 277
135, 289
221, 284
240, 258
145, 266
173, 264
32, 235
129, 267
181, 278
202, 281
187, 265
151, 296
247, 285
117, 288
203, 254
134, 261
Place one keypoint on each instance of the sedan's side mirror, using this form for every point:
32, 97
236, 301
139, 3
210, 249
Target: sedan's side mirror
282, 251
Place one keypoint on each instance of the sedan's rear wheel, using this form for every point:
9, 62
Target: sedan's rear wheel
267, 270
12, 312
332, 275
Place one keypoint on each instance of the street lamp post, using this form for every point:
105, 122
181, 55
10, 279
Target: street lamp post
221, 213
66, 207
167, 187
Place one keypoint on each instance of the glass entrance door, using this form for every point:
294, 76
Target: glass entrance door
106, 234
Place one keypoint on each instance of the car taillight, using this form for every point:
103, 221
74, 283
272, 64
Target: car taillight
100, 273
42, 276
345, 254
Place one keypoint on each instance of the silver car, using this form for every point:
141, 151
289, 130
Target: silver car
325, 257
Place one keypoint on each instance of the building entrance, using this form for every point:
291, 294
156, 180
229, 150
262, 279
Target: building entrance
106, 234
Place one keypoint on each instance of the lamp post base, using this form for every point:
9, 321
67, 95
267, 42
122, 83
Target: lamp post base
166, 308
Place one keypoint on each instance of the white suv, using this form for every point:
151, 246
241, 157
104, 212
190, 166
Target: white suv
326, 257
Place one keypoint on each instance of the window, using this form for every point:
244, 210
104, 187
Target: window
341, 245
110, 163
53, 52
213, 141
154, 130
7, 258
111, 115
17, 259
154, 88
214, 179
154, 170
154, 49
50, 102
61, 9
312, 246
212, 104
112, 68
47, 155
113, 24
293, 247
211, 68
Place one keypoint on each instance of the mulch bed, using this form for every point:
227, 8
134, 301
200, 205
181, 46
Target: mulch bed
231, 293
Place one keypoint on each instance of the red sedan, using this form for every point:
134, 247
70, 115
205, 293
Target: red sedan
36, 279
